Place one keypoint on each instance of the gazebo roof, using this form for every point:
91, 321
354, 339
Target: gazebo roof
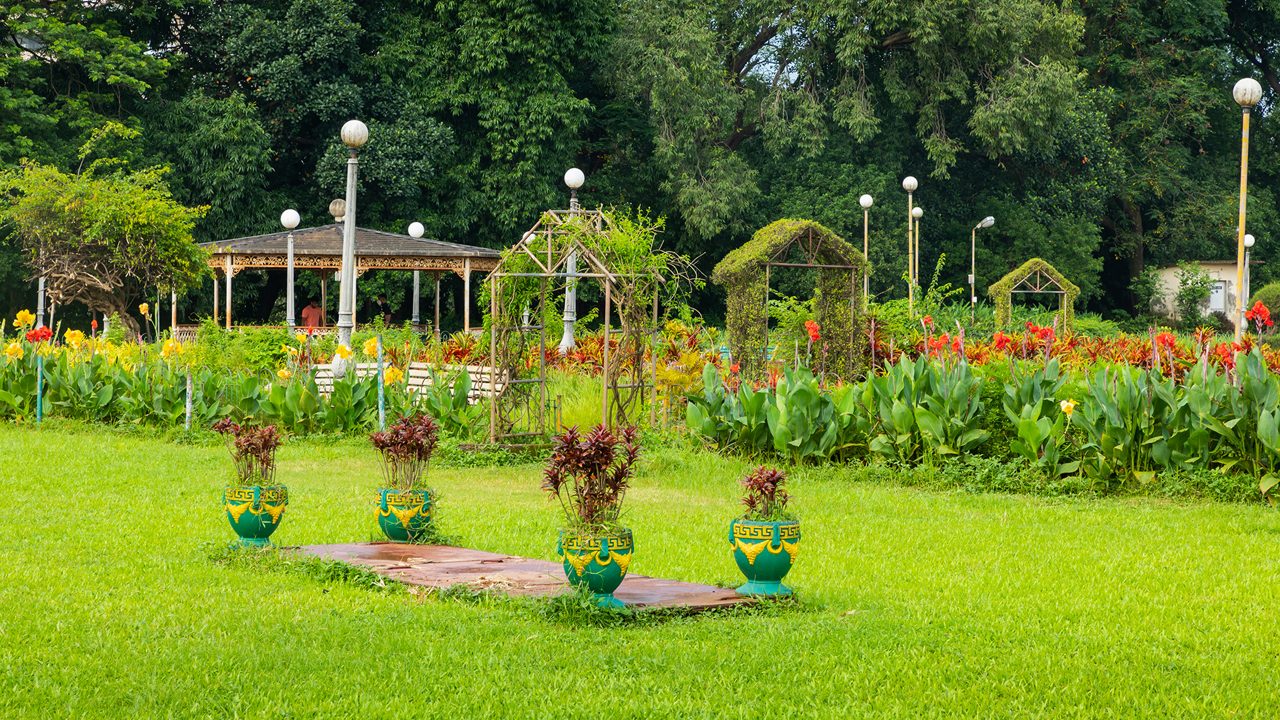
321, 248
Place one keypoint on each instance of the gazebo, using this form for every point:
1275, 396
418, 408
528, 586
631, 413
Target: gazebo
320, 249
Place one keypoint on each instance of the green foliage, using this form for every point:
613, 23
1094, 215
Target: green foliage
1147, 291
1268, 295
1194, 286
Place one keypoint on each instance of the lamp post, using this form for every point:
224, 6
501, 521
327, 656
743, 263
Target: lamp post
910, 184
917, 212
986, 222
1247, 94
289, 219
573, 178
1248, 281
354, 135
40, 302
415, 231
866, 201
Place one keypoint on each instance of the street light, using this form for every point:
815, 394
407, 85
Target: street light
986, 222
289, 219
865, 201
354, 135
415, 231
917, 212
573, 178
1248, 250
910, 184
1247, 94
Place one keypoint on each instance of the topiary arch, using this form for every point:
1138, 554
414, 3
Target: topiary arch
1034, 276
744, 274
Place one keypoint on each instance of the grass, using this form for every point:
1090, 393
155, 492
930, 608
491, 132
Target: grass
915, 603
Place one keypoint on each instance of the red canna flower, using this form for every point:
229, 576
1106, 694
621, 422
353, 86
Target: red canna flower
812, 328
1259, 315
734, 368
927, 320
1001, 341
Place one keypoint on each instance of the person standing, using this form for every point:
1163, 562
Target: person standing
312, 315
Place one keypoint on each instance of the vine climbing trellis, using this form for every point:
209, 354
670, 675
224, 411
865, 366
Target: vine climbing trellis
570, 246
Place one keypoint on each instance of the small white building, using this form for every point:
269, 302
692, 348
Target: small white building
1222, 295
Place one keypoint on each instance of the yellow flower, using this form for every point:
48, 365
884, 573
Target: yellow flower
13, 351
1068, 406
284, 374
371, 347
145, 309
171, 348
25, 319
392, 375
342, 351
289, 349
301, 337
73, 338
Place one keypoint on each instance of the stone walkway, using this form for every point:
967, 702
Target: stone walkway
442, 566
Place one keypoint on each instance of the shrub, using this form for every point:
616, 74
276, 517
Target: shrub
1194, 286
1268, 295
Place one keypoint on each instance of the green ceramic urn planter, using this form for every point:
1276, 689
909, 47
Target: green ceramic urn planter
597, 563
404, 515
765, 552
255, 511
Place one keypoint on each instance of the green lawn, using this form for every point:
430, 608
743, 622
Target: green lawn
914, 603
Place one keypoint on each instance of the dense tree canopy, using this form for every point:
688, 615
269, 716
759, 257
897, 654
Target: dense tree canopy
1101, 135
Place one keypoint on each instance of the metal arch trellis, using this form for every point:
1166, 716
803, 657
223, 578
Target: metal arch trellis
810, 244
521, 409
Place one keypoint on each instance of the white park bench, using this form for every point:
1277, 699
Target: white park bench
486, 382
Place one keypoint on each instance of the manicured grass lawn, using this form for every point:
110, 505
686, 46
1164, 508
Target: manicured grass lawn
914, 604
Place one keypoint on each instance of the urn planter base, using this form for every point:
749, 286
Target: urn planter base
255, 511
764, 551
597, 563
759, 588
404, 515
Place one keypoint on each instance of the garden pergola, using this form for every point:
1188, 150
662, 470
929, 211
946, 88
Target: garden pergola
320, 249
518, 291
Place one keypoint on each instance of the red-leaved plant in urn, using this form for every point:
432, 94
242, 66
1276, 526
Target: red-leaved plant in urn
404, 510
254, 504
590, 476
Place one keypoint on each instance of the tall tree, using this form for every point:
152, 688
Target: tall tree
102, 235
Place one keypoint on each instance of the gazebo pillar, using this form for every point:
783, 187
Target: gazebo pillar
215, 296
324, 298
173, 311
437, 325
289, 312
228, 269
417, 293
466, 295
